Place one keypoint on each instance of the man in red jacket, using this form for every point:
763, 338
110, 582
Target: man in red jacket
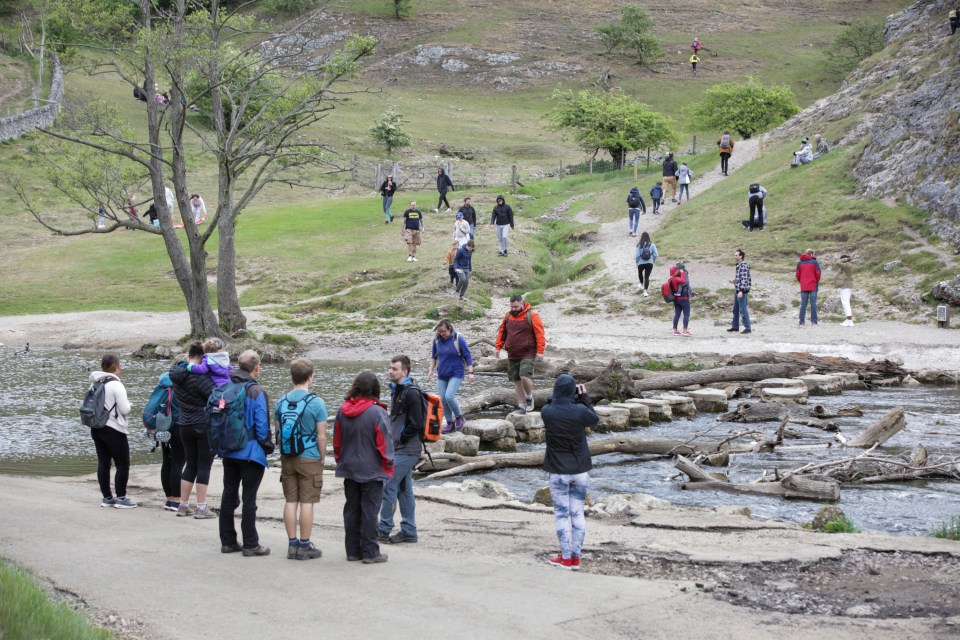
521, 334
808, 275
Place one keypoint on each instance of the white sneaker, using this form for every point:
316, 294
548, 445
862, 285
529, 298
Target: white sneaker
409, 258
846, 323
436, 210
645, 294
449, 210
413, 258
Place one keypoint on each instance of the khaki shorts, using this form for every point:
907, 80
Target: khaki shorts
517, 369
301, 479
412, 236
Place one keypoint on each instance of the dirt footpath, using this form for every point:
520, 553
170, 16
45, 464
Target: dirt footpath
477, 572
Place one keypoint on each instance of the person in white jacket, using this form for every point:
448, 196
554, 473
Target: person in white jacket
199, 208
111, 440
461, 230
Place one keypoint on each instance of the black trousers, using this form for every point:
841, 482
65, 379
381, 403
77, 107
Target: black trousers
172, 453
361, 514
112, 446
443, 200
643, 272
756, 213
724, 161
237, 473
196, 452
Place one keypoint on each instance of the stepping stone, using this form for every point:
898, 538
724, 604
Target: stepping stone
776, 394
659, 410
710, 400
612, 419
823, 385
639, 413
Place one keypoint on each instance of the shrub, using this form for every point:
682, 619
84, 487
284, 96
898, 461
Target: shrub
860, 40
949, 529
748, 108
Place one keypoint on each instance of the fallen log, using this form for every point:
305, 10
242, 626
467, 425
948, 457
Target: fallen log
800, 488
796, 413
750, 372
598, 447
881, 431
821, 364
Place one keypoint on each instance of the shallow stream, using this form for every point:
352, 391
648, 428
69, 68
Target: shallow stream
40, 434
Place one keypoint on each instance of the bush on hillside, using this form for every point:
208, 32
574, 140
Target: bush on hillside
860, 40
633, 34
389, 131
748, 108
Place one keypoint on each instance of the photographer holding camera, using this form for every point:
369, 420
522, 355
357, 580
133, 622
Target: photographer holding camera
566, 417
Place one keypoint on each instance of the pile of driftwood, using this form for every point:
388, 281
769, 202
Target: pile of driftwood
817, 481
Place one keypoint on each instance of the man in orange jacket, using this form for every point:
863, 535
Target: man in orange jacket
521, 334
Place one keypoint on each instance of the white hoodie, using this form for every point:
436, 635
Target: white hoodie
115, 394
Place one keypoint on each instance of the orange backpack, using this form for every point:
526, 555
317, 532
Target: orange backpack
433, 417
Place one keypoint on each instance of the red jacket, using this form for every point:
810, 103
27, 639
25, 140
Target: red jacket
808, 273
677, 279
521, 336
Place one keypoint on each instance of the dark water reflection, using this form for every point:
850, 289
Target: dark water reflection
40, 434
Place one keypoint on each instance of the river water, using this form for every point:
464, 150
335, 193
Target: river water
40, 434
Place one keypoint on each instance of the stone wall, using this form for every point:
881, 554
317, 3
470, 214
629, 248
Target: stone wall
14, 126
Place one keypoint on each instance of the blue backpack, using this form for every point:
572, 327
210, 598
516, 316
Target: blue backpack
291, 437
228, 429
161, 411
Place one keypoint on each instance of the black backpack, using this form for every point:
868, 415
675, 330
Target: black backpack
633, 200
93, 411
755, 187
645, 252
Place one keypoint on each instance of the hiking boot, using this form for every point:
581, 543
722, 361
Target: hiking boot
293, 550
184, 510
124, 503
231, 548
258, 550
107, 502
402, 537
376, 559
560, 562
458, 425
309, 552
202, 514
383, 537
448, 428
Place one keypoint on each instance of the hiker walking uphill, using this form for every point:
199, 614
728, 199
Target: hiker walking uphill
725, 143
694, 60
387, 188
954, 17
670, 169
444, 184
756, 195
656, 195
844, 268
412, 232
450, 357
645, 255
741, 288
469, 214
808, 275
635, 205
521, 334
566, 417
406, 424
191, 392
105, 410
301, 421
244, 468
363, 448
503, 218
684, 177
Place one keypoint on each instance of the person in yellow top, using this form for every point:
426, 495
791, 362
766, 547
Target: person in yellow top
694, 59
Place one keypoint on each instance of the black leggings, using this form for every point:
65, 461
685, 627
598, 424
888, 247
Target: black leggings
724, 161
443, 200
643, 272
196, 450
112, 446
172, 466
756, 213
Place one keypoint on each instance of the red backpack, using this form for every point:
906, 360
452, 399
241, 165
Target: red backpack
667, 291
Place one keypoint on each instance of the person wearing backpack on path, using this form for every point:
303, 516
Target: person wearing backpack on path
191, 392
646, 254
741, 284
406, 425
680, 286
566, 417
635, 205
171, 445
521, 334
656, 195
808, 275
755, 197
726, 150
363, 449
110, 439
694, 59
301, 421
670, 169
245, 467
684, 176
450, 357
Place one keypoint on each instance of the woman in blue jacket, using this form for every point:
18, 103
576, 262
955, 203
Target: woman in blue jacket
450, 357
645, 255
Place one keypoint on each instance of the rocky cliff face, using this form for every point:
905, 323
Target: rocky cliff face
905, 105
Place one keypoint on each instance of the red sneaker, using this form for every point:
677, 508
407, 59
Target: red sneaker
575, 564
562, 563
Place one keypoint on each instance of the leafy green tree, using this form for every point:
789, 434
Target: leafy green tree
389, 131
263, 101
860, 40
614, 123
633, 33
748, 108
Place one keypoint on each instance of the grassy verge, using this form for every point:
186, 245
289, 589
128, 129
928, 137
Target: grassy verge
949, 529
27, 613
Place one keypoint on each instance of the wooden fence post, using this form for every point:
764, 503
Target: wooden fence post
694, 145
513, 179
648, 157
377, 178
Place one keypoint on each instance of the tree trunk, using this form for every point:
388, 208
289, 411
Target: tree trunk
790, 487
809, 415
881, 431
821, 364
750, 372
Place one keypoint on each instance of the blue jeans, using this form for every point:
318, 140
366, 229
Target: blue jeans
448, 394
810, 296
740, 309
684, 187
681, 306
568, 494
400, 489
387, 201
472, 226
634, 219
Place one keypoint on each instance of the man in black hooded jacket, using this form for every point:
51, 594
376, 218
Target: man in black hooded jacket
567, 458
503, 218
